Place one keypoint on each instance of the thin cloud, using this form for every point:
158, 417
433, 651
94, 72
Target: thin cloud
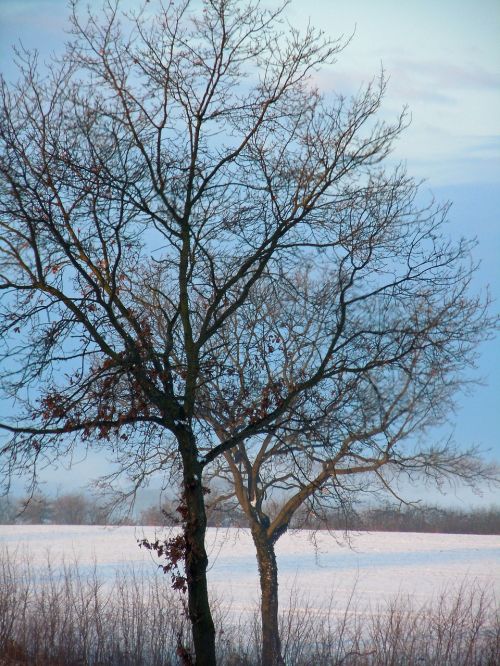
487, 144
450, 76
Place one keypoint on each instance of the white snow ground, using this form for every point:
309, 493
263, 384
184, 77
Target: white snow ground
314, 571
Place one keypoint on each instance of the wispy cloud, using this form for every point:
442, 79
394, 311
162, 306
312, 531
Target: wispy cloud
436, 80
486, 146
432, 81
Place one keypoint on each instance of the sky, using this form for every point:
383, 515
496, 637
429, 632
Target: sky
442, 60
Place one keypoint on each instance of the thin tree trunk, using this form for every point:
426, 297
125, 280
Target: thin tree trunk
268, 572
196, 561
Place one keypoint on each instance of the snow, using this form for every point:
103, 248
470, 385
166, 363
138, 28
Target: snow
317, 570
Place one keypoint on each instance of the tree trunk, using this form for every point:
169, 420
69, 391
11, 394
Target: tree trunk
196, 560
268, 572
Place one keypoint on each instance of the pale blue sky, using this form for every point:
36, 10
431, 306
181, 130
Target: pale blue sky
443, 61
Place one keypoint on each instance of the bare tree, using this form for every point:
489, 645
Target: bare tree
356, 430
72, 509
169, 166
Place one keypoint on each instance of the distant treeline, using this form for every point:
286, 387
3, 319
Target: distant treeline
409, 519
68, 509
81, 509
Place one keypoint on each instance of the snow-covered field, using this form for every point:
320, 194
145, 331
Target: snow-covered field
322, 570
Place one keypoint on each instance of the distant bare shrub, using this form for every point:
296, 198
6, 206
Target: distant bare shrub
7, 511
67, 616
34, 510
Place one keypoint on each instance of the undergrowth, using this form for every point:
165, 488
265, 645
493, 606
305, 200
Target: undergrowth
68, 616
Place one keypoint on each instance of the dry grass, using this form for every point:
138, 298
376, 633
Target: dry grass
68, 617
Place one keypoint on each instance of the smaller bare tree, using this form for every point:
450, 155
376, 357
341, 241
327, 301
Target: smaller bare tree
356, 431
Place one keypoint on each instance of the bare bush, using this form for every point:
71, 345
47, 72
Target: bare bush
69, 616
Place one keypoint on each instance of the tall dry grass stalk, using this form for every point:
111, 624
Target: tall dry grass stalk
68, 616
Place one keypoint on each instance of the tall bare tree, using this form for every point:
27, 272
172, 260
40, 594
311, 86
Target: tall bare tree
151, 179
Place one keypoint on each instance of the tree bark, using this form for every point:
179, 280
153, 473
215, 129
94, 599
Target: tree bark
196, 559
268, 573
